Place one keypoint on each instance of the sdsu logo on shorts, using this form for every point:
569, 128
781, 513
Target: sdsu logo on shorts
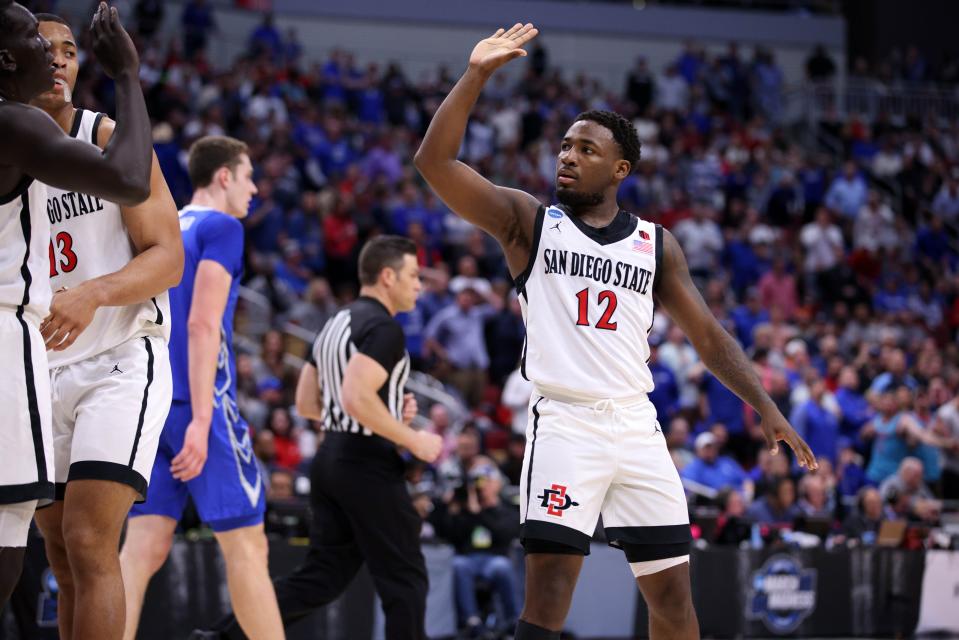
556, 501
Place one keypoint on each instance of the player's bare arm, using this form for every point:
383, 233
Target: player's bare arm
36, 145
507, 214
155, 232
719, 351
210, 293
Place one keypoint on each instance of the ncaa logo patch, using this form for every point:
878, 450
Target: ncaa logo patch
556, 501
553, 213
782, 594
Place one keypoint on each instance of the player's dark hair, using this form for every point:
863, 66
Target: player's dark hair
210, 154
624, 133
50, 17
383, 252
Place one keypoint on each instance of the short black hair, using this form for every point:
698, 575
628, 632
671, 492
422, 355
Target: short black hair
383, 252
624, 133
50, 17
210, 154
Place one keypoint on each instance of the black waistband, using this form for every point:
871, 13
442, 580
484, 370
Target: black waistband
356, 445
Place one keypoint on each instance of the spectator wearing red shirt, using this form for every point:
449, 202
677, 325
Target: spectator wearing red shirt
287, 450
777, 288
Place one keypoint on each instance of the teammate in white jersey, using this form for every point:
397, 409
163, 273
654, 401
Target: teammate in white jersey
110, 376
588, 274
33, 150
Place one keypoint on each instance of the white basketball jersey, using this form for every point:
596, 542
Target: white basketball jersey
587, 298
24, 236
88, 239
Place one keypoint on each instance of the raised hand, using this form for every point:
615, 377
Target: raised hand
501, 47
112, 44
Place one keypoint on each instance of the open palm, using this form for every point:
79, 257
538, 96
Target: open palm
501, 47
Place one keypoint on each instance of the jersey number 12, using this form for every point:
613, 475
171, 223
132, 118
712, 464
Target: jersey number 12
606, 297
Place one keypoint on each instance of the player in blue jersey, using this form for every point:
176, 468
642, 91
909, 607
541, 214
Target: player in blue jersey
205, 448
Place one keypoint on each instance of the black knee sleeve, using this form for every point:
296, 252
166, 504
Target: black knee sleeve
528, 631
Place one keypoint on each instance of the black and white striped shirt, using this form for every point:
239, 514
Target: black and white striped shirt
366, 327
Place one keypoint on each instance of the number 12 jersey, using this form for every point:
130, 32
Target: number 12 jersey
587, 299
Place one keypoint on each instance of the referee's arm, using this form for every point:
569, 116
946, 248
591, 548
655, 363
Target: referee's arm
308, 402
362, 380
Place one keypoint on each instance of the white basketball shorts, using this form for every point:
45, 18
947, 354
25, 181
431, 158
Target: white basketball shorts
108, 412
603, 457
26, 440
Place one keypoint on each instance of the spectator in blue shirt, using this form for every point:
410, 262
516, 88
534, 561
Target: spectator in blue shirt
853, 405
896, 435
778, 506
266, 38
850, 475
455, 339
747, 316
711, 469
665, 393
896, 374
266, 219
847, 193
816, 424
197, 21
725, 407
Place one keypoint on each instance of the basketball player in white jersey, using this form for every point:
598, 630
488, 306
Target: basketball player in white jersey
588, 274
107, 332
33, 151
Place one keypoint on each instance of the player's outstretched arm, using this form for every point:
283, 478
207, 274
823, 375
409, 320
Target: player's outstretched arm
157, 266
719, 351
37, 146
507, 214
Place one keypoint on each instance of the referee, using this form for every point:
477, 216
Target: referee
362, 511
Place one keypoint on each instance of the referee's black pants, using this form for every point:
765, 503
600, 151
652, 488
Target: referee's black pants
362, 512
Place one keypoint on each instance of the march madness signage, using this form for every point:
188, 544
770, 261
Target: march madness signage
782, 594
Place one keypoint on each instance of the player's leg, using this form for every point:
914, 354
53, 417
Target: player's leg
152, 523
245, 551
145, 549
669, 600
646, 515
330, 565
551, 575
230, 497
26, 442
50, 521
567, 469
118, 419
93, 515
14, 527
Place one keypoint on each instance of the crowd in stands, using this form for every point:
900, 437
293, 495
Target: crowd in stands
836, 272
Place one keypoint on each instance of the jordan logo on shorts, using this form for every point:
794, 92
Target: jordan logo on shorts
556, 500
116, 369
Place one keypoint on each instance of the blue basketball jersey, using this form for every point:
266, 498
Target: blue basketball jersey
207, 235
